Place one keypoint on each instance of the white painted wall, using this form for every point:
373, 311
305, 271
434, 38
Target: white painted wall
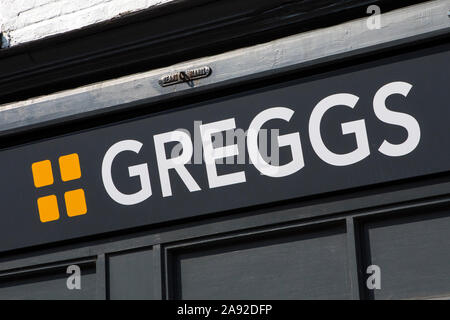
26, 20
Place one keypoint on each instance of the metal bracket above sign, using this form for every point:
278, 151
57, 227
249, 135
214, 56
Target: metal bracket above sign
185, 76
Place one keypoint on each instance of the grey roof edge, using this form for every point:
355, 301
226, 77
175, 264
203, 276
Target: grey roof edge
400, 26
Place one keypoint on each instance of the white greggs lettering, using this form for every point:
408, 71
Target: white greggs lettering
211, 154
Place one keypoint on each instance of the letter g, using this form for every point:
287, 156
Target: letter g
140, 170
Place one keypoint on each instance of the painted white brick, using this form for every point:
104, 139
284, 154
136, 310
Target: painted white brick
34, 15
38, 3
27, 20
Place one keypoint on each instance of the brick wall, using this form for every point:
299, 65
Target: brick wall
26, 20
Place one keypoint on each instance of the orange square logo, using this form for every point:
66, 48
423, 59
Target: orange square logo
75, 203
48, 208
42, 173
69, 166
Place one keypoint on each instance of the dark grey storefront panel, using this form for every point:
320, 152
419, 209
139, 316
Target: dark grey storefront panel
300, 265
428, 72
413, 253
48, 284
130, 275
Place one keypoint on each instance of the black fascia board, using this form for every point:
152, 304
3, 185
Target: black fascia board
165, 35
